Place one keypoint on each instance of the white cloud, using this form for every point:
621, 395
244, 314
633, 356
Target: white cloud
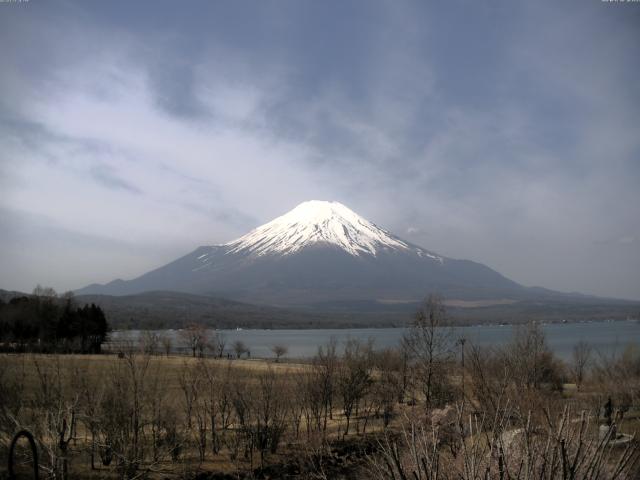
527, 181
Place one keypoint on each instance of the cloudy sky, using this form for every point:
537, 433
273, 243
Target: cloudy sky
503, 132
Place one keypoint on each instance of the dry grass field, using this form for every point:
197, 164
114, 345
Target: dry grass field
80, 379
390, 414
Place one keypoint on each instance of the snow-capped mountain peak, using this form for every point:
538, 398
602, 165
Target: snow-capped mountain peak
317, 222
319, 253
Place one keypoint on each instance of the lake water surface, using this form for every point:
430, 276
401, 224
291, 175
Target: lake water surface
605, 337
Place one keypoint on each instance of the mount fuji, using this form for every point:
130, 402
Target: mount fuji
320, 253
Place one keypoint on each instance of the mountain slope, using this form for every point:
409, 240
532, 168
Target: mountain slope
319, 253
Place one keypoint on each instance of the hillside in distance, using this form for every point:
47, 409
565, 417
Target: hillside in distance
321, 254
173, 310
159, 310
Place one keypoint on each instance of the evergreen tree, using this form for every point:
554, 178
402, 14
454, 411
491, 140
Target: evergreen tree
46, 322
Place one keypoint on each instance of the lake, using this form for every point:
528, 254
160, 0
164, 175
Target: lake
605, 337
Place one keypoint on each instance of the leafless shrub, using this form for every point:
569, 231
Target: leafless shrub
12, 390
524, 371
498, 447
312, 457
617, 376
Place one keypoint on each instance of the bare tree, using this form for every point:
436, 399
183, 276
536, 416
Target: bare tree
57, 413
166, 343
239, 348
195, 337
225, 397
212, 386
91, 393
313, 391
296, 392
429, 342
121, 414
149, 342
271, 409
133, 382
388, 388
326, 366
218, 344
491, 376
202, 411
244, 398
189, 380
354, 377
160, 420
279, 351
46, 293
531, 360
581, 356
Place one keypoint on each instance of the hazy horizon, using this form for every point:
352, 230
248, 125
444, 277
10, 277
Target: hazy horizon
507, 134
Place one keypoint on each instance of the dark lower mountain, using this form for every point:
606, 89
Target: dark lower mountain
319, 253
316, 275
323, 256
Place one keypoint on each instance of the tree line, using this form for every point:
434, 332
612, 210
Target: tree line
46, 322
